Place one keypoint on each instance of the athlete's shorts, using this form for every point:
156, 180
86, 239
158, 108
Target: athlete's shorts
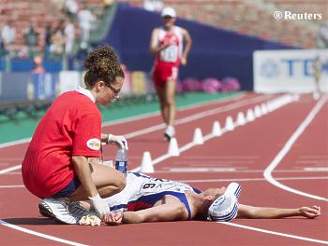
69, 189
164, 72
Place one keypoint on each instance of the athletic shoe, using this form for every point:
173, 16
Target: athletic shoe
84, 216
225, 207
169, 133
57, 209
77, 210
45, 210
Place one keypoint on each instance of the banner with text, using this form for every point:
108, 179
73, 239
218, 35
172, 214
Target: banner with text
290, 70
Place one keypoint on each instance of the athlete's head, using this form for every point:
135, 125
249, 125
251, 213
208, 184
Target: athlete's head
169, 16
225, 206
212, 193
104, 75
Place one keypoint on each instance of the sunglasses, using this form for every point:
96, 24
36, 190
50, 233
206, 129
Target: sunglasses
115, 91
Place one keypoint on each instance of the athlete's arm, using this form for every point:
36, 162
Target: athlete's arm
188, 42
251, 212
170, 209
154, 44
165, 212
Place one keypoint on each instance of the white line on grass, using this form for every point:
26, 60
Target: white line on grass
283, 152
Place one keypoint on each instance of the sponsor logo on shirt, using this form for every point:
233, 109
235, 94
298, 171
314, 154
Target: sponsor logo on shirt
94, 144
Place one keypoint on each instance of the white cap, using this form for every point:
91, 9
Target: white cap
168, 11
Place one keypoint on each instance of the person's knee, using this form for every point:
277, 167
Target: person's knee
170, 102
120, 183
114, 187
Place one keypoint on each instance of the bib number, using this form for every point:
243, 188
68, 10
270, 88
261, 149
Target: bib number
170, 54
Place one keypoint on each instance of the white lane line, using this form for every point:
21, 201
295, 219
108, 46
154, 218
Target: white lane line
308, 239
202, 169
283, 152
16, 142
314, 178
239, 169
188, 145
197, 116
138, 117
11, 186
10, 169
249, 179
189, 107
316, 169
38, 234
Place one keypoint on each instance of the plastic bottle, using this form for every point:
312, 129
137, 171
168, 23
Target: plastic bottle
121, 161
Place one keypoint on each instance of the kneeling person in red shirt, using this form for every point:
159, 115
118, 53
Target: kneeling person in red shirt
56, 167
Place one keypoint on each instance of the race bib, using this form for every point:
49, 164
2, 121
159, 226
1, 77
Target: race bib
170, 54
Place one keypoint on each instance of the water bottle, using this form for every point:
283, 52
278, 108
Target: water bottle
121, 160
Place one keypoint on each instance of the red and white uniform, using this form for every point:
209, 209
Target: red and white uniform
71, 126
168, 60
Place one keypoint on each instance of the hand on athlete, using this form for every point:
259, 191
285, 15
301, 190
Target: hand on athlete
120, 141
100, 205
310, 212
114, 218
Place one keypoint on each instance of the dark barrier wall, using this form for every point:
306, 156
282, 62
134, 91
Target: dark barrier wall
13, 86
215, 52
22, 86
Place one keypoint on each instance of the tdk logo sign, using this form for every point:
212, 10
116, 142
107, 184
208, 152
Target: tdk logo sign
271, 68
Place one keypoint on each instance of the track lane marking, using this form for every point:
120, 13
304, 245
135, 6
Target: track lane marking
212, 180
286, 148
38, 234
252, 228
10, 169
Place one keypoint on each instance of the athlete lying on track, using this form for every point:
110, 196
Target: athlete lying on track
147, 199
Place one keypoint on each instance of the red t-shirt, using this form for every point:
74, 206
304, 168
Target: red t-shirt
71, 126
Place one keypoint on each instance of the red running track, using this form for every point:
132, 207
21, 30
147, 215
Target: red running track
242, 155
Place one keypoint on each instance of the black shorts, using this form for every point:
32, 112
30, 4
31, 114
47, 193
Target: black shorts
69, 189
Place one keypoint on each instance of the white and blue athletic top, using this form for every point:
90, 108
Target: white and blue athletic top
142, 191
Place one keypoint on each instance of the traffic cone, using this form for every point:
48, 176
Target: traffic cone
229, 126
216, 129
146, 163
257, 111
264, 108
173, 148
241, 119
198, 136
250, 115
